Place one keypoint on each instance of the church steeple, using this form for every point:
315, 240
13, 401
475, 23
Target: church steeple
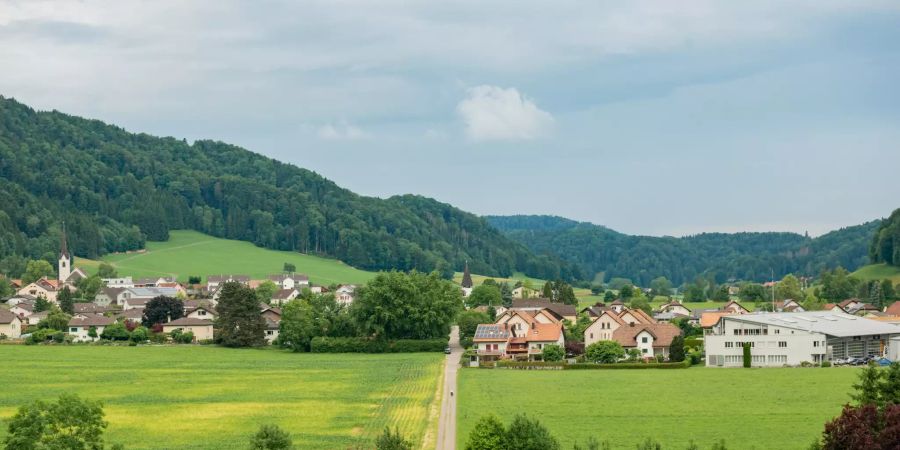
64, 269
467, 277
63, 246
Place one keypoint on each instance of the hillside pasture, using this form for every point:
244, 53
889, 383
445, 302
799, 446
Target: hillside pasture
199, 397
188, 253
778, 408
878, 272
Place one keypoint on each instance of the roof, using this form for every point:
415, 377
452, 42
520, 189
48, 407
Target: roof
88, 308
710, 318
91, 320
224, 278
543, 332
831, 323
151, 292
662, 333
283, 294
732, 302
279, 277
667, 316
844, 303
491, 332
188, 322
617, 302
7, 317
640, 315
26, 306
112, 292
560, 309
893, 310
133, 314
674, 303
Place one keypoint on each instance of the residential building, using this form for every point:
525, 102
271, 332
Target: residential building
524, 292
111, 296
345, 294
559, 310
198, 309
202, 328
290, 280
80, 326
778, 339
41, 288
510, 341
283, 296
11, 325
214, 281
676, 308
788, 305
139, 296
893, 310
617, 306
124, 282
650, 339
88, 308
272, 329
23, 309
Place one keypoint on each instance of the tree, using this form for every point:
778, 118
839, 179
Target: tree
575, 331
721, 294
696, 291
609, 296
392, 440
162, 309
887, 290
297, 326
642, 304
66, 300
553, 353
194, 279
863, 427
140, 334
547, 290
106, 270
56, 320
37, 269
266, 290
88, 287
526, 434
789, 288
506, 294
468, 322
889, 391
289, 268
239, 323
753, 292
676, 349
92, 332
488, 434
868, 388
42, 304
885, 247
6, 288
661, 286
619, 283
564, 293
69, 423
748, 359
837, 285
604, 352
271, 437
626, 292
115, 332
397, 305
486, 294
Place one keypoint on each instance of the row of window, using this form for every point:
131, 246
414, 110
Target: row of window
781, 344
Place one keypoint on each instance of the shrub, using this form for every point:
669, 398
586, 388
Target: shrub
68, 423
748, 359
41, 336
696, 357
604, 352
465, 342
592, 366
321, 344
140, 334
115, 332
270, 437
59, 337
392, 441
676, 350
806, 364
826, 363
553, 353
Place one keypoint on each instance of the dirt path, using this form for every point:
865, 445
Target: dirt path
447, 424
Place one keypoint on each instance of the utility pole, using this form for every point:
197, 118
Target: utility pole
773, 290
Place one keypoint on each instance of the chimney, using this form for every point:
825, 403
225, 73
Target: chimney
533, 326
631, 323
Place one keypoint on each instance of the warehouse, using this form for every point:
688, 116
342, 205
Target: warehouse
778, 339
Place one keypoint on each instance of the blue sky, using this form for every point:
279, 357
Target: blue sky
647, 117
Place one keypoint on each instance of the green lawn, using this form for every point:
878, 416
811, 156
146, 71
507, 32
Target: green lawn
878, 272
189, 253
749, 408
199, 397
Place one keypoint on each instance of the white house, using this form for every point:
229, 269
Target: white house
290, 280
41, 288
344, 294
778, 339
214, 281
283, 296
11, 325
124, 282
80, 326
675, 308
202, 329
111, 296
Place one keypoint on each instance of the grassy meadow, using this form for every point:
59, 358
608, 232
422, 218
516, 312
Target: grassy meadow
204, 397
878, 272
189, 253
749, 408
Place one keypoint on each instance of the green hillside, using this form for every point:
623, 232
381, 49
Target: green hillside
189, 253
878, 272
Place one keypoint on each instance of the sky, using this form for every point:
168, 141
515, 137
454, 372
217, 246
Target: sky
648, 117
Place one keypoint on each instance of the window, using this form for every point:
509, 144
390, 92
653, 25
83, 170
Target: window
737, 332
73, 330
782, 344
643, 350
592, 335
644, 340
777, 331
729, 344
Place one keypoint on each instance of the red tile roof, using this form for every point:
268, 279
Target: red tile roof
662, 333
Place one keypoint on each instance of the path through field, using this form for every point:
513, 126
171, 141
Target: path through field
447, 424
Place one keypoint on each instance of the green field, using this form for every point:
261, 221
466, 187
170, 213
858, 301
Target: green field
189, 253
878, 272
198, 397
749, 408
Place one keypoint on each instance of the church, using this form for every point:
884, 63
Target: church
67, 274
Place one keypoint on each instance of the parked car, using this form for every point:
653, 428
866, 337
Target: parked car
447, 351
853, 361
838, 361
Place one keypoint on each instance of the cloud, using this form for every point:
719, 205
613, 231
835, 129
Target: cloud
341, 131
495, 113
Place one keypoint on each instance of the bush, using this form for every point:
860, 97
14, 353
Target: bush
41, 336
591, 366
553, 352
696, 357
748, 360
392, 441
115, 332
140, 334
271, 437
826, 363
465, 342
604, 352
806, 364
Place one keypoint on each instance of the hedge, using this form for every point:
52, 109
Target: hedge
364, 345
530, 364
589, 366
693, 342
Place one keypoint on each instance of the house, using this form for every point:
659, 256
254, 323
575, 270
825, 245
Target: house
214, 281
559, 310
524, 292
466, 282
778, 339
270, 312
283, 296
676, 308
290, 280
595, 310
81, 324
111, 296
788, 305
509, 341
154, 282
709, 319
139, 296
88, 308
202, 329
272, 329
41, 288
202, 310
860, 309
633, 316
317, 289
735, 308
131, 315
603, 327
651, 339
23, 309
135, 303
35, 318
617, 306
11, 325
124, 282
344, 294
16, 299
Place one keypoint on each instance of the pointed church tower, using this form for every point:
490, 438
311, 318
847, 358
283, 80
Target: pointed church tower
65, 259
467, 277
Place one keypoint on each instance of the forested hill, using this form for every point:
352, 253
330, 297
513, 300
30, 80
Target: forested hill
116, 189
745, 256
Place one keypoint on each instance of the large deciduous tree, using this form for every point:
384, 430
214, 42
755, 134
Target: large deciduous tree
69, 423
240, 323
486, 294
162, 309
37, 269
297, 326
415, 305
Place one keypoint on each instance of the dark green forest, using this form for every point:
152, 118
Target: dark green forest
115, 190
885, 246
743, 256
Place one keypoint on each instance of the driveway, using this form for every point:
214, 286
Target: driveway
447, 426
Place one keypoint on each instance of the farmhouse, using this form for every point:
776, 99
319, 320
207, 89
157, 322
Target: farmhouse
778, 339
214, 281
202, 329
80, 326
283, 296
290, 280
11, 325
344, 294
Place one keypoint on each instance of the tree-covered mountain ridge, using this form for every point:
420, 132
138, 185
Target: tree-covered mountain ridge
596, 249
116, 189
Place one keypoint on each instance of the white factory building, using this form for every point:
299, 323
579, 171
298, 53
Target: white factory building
778, 339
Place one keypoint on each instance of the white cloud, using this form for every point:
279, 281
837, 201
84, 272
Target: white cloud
495, 113
341, 131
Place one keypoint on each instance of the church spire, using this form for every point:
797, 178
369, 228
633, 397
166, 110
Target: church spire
467, 277
64, 269
63, 247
